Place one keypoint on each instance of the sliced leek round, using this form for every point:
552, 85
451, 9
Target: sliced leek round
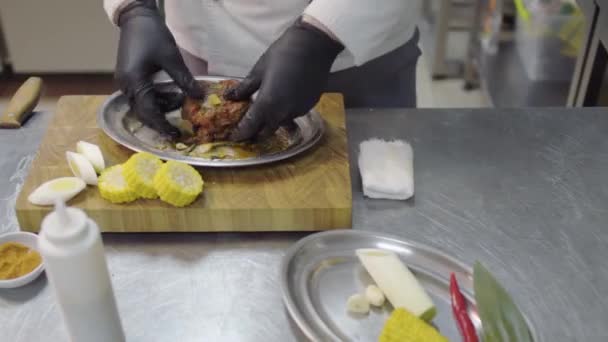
81, 167
93, 153
113, 187
374, 295
357, 303
178, 184
139, 171
64, 188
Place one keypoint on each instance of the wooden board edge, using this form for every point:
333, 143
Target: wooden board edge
338, 218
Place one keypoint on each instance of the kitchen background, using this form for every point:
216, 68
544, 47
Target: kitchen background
476, 53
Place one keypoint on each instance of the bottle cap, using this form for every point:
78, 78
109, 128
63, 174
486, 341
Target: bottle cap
64, 224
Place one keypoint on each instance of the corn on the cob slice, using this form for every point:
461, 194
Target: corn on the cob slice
139, 172
113, 186
178, 184
403, 326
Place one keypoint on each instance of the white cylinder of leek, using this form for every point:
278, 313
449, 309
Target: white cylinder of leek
399, 285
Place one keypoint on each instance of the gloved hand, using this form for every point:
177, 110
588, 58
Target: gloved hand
146, 46
289, 77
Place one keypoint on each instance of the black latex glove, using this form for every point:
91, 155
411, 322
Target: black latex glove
290, 76
146, 46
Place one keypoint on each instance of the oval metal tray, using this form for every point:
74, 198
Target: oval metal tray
118, 122
321, 271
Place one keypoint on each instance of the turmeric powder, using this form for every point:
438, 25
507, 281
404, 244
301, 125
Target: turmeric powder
17, 260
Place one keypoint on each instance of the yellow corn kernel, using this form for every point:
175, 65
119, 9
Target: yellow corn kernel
214, 100
178, 184
113, 187
139, 171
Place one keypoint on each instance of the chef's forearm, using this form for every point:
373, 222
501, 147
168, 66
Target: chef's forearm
113, 8
314, 22
362, 26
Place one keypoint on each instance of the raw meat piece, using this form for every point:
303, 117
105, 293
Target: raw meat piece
214, 120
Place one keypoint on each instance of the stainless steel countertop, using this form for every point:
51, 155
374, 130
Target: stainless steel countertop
522, 190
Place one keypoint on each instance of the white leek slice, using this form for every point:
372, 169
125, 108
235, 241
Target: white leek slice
399, 285
93, 153
64, 188
81, 167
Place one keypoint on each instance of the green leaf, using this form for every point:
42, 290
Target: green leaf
501, 319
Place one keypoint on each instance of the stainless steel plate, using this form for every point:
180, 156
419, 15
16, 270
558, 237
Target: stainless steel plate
321, 271
118, 122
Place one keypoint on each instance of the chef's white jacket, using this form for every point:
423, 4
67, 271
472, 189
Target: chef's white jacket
232, 34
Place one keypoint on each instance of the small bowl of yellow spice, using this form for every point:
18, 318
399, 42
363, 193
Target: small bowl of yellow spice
20, 262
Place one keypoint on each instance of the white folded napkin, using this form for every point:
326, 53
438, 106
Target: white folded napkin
387, 169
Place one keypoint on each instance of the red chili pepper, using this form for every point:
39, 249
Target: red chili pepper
459, 310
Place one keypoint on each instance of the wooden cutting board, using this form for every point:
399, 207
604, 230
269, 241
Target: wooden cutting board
306, 193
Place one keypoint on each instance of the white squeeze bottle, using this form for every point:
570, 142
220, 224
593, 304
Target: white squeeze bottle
71, 247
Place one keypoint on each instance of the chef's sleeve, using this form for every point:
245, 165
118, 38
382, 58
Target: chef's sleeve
113, 8
361, 25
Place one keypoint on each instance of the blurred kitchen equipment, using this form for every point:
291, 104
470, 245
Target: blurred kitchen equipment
485, 36
548, 37
590, 82
22, 104
533, 64
442, 21
3, 51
